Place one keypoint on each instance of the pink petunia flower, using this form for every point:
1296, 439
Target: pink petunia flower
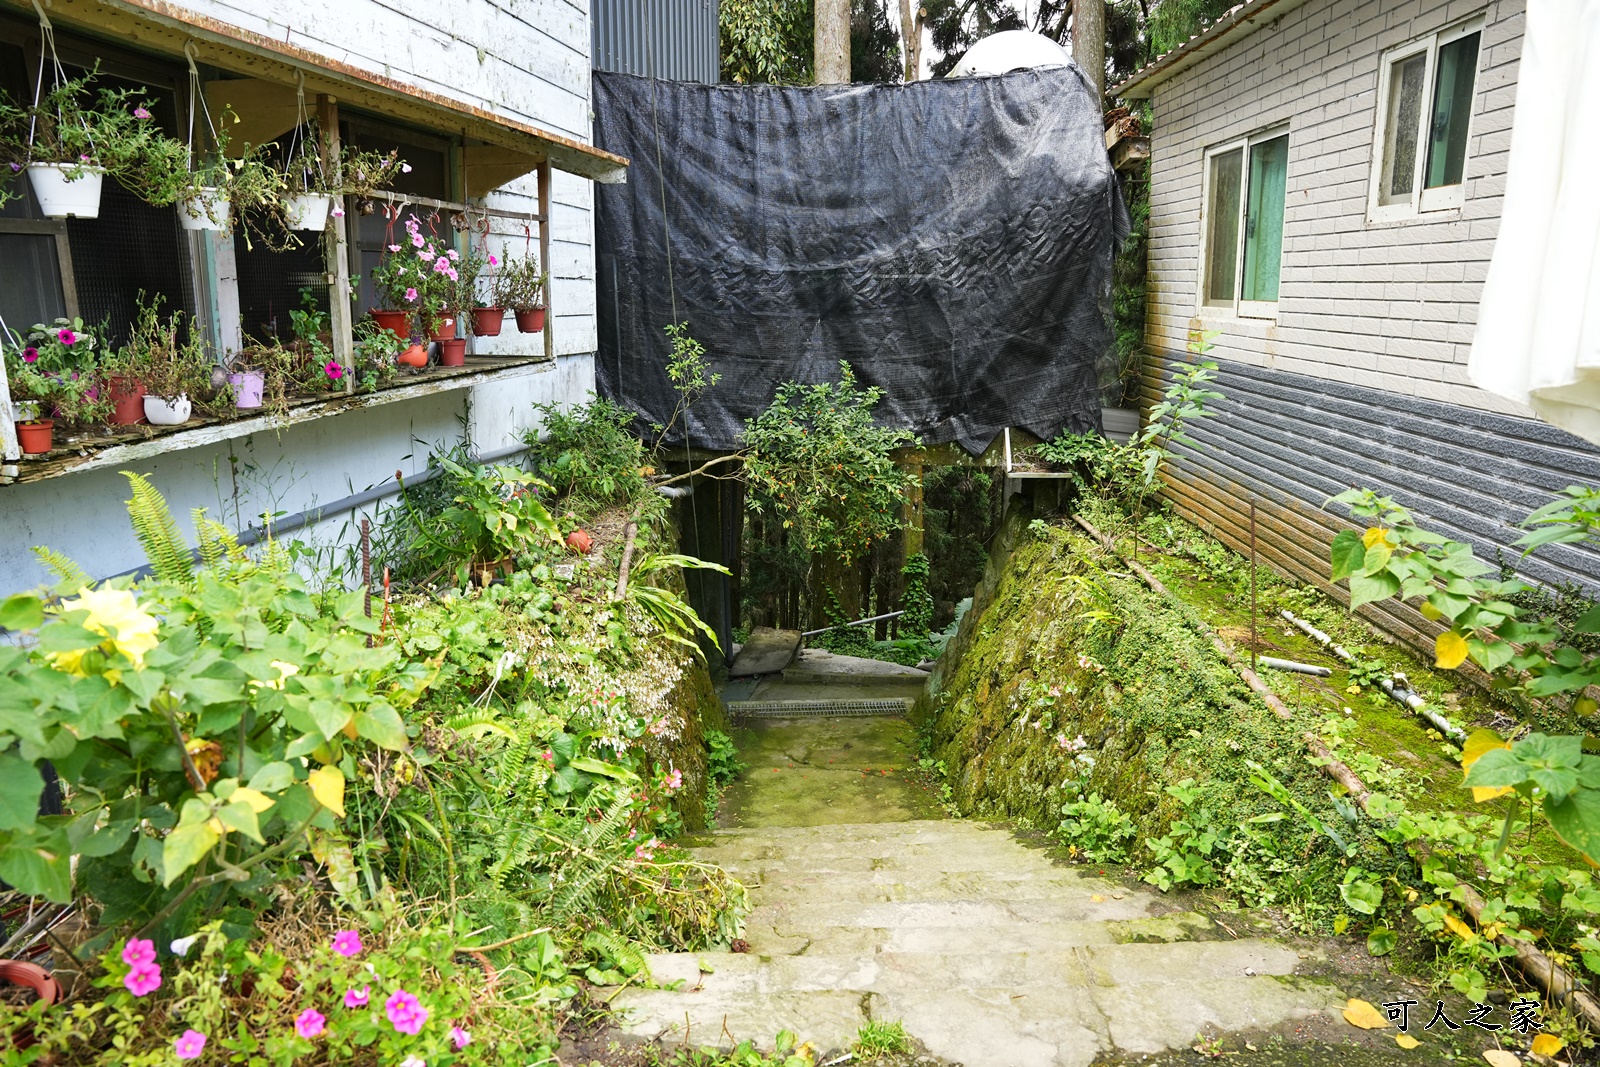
394, 248
30, 355
338, 212
453, 254
405, 1012
427, 257
416, 239
143, 978
66, 336
138, 952
335, 371
460, 1037
441, 266
347, 942
493, 262
411, 296
452, 275
141, 113
309, 1023
190, 1045
357, 998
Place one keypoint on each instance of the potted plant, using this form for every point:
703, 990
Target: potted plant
376, 351
314, 182
248, 383
489, 315
175, 370
460, 297
68, 141
520, 287
412, 279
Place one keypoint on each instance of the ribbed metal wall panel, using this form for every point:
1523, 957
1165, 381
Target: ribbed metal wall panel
671, 39
1291, 441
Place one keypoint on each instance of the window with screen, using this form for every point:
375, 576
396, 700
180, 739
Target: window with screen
1425, 91
1242, 230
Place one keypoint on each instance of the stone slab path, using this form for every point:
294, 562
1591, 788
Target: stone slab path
869, 906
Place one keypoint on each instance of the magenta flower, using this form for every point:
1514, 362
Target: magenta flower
309, 1023
405, 1012
143, 978
416, 239
394, 248
493, 262
190, 1045
138, 952
460, 1037
346, 942
338, 212
357, 998
141, 113
66, 336
441, 266
453, 254
674, 781
335, 371
426, 257
411, 296
30, 355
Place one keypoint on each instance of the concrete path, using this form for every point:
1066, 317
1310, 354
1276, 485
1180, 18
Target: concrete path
869, 906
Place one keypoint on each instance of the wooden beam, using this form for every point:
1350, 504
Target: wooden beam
335, 255
265, 110
544, 261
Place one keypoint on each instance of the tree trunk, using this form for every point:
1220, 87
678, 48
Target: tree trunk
1089, 42
832, 42
911, 37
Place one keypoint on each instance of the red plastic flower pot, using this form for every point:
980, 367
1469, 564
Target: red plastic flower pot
530, 320
127, 394
486, 322
396, 322
453, 353
34, 437
444, 329
580, 542
415, 356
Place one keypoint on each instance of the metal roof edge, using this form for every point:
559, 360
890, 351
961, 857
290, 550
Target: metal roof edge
1235, 23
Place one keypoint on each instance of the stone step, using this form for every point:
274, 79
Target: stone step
893, 887
768, 934
810, 914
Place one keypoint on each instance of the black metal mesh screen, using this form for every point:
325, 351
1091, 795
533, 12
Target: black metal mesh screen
270, 284
131, 248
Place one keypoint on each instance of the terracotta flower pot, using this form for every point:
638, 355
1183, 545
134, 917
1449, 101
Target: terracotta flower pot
453, 352
442, 329
127, 393
396, 322
415, 356
486, 322
530, 320
580, 541
34, 977
34, 437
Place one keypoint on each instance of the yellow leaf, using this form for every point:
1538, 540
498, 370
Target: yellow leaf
214, 824
1480, 742
327, 785
1450, 650
1406, 1041
1499, 1057
1547, 1045
259, 802
1360, 1013
1375, 535
1460, 929
1430, 612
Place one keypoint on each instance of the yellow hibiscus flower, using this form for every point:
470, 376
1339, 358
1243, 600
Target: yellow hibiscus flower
116, 614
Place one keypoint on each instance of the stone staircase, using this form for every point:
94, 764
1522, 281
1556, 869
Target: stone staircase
990, 953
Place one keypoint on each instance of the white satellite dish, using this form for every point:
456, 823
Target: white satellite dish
1010, 50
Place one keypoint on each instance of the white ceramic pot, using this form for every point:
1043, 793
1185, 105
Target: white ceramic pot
25, 410
163, 412
206, 212
308, 211
61, 198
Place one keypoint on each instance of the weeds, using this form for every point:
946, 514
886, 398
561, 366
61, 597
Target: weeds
880, 1038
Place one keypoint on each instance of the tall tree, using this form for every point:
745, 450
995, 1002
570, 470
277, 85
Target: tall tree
773, 41
913, 17
874, 44
832, 48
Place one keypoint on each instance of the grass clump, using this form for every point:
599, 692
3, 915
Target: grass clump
878, 1038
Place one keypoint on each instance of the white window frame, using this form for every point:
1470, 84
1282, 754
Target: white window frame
1239, 308
1444, 197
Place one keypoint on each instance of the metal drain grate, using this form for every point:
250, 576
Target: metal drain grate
793, 709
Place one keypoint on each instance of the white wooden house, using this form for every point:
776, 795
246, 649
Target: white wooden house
489, 100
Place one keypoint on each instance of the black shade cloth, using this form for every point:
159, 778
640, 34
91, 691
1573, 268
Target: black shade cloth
952, 240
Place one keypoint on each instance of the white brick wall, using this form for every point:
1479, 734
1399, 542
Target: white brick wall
1387, 305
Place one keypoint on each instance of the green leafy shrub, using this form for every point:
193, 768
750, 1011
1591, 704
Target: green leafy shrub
1097, 829
589, 454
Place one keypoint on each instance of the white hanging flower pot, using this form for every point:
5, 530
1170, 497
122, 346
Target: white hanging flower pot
62, 196
308, 211
206, 211
163, 411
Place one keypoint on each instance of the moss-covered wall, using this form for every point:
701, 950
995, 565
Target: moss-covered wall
1061, 643
695, 710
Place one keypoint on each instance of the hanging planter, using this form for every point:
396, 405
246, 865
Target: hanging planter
308, 211
34, 437
66, 190
486, 322
248, 387
453, 353
207, 210
530, 320
162, 411
127, 398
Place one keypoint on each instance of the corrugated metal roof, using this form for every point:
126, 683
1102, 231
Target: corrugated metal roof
1237, 22
671, 39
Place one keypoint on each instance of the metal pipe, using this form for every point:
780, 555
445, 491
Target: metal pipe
1292, 667
675, 492
858, 622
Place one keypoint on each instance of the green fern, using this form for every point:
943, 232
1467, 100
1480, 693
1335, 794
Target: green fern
217, 543
69, 576
615, 949
157, 531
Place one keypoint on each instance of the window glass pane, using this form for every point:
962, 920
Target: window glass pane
1222, 236
1404, 119
30, 282
1263, 221
1452, 106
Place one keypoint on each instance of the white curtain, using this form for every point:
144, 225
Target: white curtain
1538, 338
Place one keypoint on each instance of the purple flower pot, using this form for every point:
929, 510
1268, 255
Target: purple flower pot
247, 388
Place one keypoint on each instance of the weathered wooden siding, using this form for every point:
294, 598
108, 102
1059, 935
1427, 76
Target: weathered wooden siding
1390, 306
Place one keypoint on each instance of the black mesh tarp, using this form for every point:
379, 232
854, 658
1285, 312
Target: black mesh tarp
951, 239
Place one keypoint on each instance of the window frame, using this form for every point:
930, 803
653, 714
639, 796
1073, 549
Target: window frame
1238, 307
1443, 197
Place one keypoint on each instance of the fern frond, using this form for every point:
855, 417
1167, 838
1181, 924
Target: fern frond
69, 576
157, 532
217, 543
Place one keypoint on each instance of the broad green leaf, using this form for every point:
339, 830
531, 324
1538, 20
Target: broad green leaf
1362, 896
21, 786
1381, 941
186, 846
1347, 554
39, 864
1376, 559
1366, 588
241, 816
1576, 820
1497, 768
273, 778
381, 724
608, 770
24, 611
